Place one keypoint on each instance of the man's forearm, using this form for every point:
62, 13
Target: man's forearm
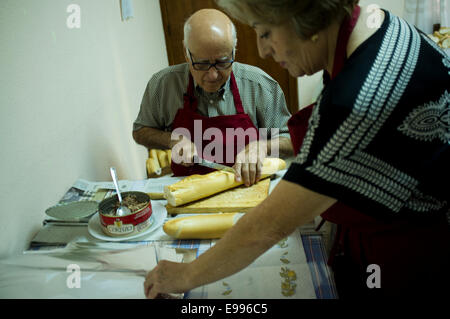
153, 138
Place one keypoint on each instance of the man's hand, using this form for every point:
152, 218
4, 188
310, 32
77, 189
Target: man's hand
167, 277
183, 151
249, 162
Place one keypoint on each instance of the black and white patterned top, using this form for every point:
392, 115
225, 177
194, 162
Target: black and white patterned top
379, 137
262, 98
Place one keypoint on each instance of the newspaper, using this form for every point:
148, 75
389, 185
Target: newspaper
87, 190
84, 190
56, 232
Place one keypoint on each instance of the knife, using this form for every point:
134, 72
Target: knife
213, 165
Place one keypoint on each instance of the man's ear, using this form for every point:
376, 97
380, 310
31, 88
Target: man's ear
185, 53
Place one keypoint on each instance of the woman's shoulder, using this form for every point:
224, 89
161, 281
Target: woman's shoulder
372, 19
386, 62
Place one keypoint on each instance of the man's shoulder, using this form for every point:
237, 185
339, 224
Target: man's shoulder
177, 72
253, 74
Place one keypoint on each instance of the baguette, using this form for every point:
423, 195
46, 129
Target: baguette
271, 165
156, 196
162, 158
201, 226
169, 156
153, 166
153, 154
195, 187
441, 37
238, 199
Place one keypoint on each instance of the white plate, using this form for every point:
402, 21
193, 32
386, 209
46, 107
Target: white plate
159, 214
73, 211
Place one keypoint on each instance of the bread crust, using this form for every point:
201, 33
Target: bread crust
238, 199
200, 226
195, 187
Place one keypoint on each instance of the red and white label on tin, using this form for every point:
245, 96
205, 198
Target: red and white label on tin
119, 228
127, 224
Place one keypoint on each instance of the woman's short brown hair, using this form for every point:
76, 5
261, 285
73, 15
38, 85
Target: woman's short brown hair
307, 16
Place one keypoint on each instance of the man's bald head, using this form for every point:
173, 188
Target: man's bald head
209, 28
209, 38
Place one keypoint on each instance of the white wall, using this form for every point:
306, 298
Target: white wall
394, 6
68, 98
309, 86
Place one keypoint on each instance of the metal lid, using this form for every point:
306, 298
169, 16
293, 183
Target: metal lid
73, 210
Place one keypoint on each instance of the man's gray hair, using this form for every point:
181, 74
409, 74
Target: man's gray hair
187, 32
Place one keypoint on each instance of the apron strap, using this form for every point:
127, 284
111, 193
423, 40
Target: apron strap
236, 96
189, 99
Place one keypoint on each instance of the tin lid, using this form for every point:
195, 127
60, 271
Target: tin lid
73, 211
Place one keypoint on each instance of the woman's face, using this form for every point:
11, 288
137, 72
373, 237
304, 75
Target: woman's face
300, 57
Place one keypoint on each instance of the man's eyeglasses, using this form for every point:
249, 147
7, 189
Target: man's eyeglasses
205, 66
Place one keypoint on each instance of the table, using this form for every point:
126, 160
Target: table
304, 250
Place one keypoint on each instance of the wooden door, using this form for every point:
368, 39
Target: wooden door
174, 14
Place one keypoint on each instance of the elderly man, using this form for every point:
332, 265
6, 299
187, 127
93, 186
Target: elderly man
213, 107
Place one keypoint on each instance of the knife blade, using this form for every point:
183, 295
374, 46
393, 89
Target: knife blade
213, 165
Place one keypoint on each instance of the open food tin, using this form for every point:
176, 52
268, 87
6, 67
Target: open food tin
138, 221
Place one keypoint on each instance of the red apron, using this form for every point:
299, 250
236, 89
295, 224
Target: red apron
186, 116
362, 240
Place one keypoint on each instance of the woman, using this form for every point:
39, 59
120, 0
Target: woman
372, 157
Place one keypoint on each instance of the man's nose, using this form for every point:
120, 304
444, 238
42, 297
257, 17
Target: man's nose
212, 73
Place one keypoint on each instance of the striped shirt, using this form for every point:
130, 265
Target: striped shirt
378, 139
262, 98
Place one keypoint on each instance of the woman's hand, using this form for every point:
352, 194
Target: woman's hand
252, 235
167, 277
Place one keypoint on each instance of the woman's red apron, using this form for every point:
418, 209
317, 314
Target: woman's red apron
185, 118
363, 240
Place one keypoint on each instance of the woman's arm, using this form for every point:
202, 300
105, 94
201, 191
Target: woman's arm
288, 207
